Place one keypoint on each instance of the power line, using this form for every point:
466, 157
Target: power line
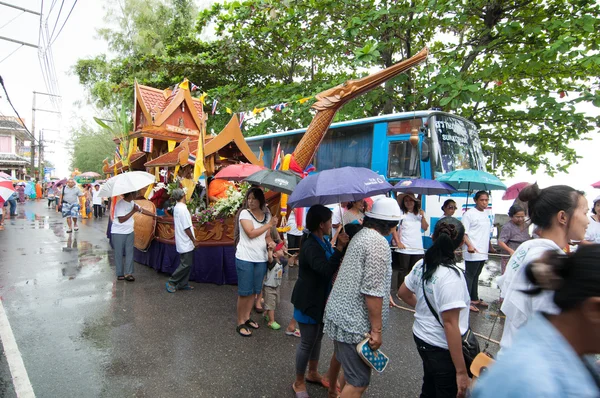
64, 23
57, 18
18, 15
15, 110
17, 49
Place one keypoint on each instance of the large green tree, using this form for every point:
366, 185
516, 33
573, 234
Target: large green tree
90, 145
516, 68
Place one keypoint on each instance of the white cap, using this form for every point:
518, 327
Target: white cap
597, 199
386, 209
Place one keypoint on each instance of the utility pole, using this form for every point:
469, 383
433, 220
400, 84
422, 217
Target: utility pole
33, 109
41, 152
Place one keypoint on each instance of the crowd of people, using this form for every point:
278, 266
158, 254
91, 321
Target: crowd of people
353, 259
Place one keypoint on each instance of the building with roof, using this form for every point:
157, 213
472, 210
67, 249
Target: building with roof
12, 138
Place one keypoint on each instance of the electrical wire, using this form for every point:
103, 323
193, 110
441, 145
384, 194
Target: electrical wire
57, 18
64, 23
22, 12
14, 109
17, 49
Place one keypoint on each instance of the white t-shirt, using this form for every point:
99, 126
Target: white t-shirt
183, 221
274, 276
446, 290
478, 226
253, 250
592, 234
291, 222
96, 198
122, 208
518, 306
337, 214
410, 234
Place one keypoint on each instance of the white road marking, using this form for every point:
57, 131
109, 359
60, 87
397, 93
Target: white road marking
23, 386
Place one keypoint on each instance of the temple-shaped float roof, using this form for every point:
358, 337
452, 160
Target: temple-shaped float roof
169, 115
229, 142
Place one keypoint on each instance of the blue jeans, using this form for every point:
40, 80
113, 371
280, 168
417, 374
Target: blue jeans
13, 207
250, 276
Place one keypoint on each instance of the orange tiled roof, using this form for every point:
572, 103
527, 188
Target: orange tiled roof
157, 101
134, 157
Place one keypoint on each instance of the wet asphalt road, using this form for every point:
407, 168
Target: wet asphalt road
82, 334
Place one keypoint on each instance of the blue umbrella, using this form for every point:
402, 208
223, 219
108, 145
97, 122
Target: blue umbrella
421, 186
346, 184
472, 180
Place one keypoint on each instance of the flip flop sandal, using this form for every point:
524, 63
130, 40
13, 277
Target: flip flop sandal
76, 229
300, 394
295, 333
170, 288
243, 327
129, 278
259, 310
473, 308
252, 324
120, 278
70, 231
322, 382
186, 287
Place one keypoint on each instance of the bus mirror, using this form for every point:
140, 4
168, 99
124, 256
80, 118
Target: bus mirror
424, 151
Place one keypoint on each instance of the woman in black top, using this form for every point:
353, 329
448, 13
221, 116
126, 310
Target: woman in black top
318, 262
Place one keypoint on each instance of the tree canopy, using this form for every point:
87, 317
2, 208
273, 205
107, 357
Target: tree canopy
90, 145
516, 68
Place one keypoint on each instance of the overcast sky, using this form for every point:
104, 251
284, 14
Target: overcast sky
22, 75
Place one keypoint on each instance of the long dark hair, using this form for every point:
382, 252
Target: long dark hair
544, 203
405, 209
574, 277
447, 236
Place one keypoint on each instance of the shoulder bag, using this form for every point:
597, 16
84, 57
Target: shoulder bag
470, 345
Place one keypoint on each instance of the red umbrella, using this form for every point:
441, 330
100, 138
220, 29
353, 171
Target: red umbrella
6, 190
238, 172
596, 184
512, 192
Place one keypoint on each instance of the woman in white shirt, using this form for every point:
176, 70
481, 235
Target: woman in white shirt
559, 212
251, 256
592, 235
413, 222
439, 341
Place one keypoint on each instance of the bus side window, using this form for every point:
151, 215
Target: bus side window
403, 160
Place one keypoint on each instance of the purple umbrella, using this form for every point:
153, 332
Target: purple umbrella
421, 186
346, 184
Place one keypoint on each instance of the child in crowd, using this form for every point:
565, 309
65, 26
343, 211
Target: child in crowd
272, 283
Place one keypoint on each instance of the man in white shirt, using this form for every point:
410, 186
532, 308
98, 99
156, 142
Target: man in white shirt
478, 229
184, 242
97, 201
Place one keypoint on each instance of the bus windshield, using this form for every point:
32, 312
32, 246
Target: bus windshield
456, 145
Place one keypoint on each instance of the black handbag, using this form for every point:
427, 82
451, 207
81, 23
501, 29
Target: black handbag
61, 200
470, 345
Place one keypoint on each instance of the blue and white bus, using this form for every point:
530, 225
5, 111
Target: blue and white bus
445, 143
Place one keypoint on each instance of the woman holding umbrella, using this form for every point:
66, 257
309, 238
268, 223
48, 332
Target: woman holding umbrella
412, 223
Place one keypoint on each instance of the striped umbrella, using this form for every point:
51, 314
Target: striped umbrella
6, 189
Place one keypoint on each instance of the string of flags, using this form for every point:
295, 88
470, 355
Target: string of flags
187, 85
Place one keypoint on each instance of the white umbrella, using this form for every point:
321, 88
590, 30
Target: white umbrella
4, 176
126, 182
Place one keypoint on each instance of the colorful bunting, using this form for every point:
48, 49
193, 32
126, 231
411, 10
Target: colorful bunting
203, 97
303, 100
192, 159
279, 107
228, 110
242, 117
148, 144
277, 158
214, 106
185, 84
118, 153
194, 87
256, 110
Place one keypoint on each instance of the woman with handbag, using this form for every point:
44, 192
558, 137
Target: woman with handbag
438, 291
359, 302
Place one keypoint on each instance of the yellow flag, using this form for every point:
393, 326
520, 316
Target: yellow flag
228, 110
256, 111
185, 84
157, 173
199, 165
176, 171
149, 191
203, 98
171, 145
303, 100
132, 147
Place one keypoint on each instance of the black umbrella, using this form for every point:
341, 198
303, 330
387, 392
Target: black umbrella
275, 180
